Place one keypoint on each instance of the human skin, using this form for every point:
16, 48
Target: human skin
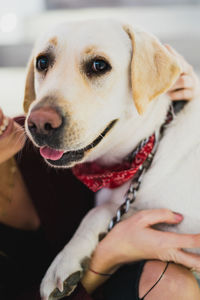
16, 208
13, 142
187, 87
138, 241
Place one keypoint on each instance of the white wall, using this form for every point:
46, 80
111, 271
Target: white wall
12, 90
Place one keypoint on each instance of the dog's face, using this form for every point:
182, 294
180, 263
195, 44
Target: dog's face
80, 84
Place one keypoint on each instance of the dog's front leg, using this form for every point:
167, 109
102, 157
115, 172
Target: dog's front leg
68, 267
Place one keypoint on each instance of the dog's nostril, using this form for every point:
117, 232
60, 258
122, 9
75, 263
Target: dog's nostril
48, 126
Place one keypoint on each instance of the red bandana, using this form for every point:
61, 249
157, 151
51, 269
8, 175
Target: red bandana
97, 177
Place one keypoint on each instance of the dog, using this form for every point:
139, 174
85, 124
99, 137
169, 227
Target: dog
93, 91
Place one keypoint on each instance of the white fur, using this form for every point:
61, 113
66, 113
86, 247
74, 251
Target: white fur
173, 180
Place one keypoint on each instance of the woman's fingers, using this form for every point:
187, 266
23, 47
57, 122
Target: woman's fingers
188, 241
184, 82
187, 86
190, 260
183, 94
154, 216
177, 240
148, 218
183, 89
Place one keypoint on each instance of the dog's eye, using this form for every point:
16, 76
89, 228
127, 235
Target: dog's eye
97, 67
42, 63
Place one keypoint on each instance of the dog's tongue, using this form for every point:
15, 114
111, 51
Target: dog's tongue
50, 153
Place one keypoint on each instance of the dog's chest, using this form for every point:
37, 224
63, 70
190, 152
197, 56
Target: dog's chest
177, 189
173, 181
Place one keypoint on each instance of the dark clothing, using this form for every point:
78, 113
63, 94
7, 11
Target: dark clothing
23, 260
61, 202
123, 285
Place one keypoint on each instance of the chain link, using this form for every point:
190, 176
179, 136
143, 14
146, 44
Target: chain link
131, 194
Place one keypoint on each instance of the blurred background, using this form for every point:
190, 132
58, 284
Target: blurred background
176, 22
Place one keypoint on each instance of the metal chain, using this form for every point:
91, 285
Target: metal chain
131, 194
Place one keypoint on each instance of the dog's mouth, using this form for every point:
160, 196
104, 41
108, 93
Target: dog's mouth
61, 158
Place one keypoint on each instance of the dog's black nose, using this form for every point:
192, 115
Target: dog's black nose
44, 121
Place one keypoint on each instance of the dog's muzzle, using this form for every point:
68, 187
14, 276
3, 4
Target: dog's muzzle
75, 156
46, 127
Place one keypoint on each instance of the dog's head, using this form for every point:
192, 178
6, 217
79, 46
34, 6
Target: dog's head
81, 80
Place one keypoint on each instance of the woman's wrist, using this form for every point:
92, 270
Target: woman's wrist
104, 259
102, 266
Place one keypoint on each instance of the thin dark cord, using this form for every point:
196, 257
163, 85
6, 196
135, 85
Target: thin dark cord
156, 281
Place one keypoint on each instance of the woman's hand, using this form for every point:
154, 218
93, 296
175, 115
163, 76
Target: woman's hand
134, 239
187, 87
12, 137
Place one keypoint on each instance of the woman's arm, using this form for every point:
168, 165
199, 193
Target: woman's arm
134, 239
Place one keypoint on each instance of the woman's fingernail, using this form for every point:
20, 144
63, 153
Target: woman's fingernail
178, 216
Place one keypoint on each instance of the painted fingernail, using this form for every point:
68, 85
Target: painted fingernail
178, 216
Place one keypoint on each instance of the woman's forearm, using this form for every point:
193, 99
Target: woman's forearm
134, 239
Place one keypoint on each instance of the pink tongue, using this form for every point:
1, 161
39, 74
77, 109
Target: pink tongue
50, 153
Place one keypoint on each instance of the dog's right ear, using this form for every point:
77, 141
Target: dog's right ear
29, 93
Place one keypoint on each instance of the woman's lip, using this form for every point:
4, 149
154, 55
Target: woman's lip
8, 130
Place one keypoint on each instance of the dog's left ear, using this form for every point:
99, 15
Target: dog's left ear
29, 93
153, 68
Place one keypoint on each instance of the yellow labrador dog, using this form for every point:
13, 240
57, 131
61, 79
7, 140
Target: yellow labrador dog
94, 90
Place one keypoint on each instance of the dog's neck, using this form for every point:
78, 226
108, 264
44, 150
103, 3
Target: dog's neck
129, 132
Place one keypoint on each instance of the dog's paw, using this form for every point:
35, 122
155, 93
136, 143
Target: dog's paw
68, 286
63, 276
